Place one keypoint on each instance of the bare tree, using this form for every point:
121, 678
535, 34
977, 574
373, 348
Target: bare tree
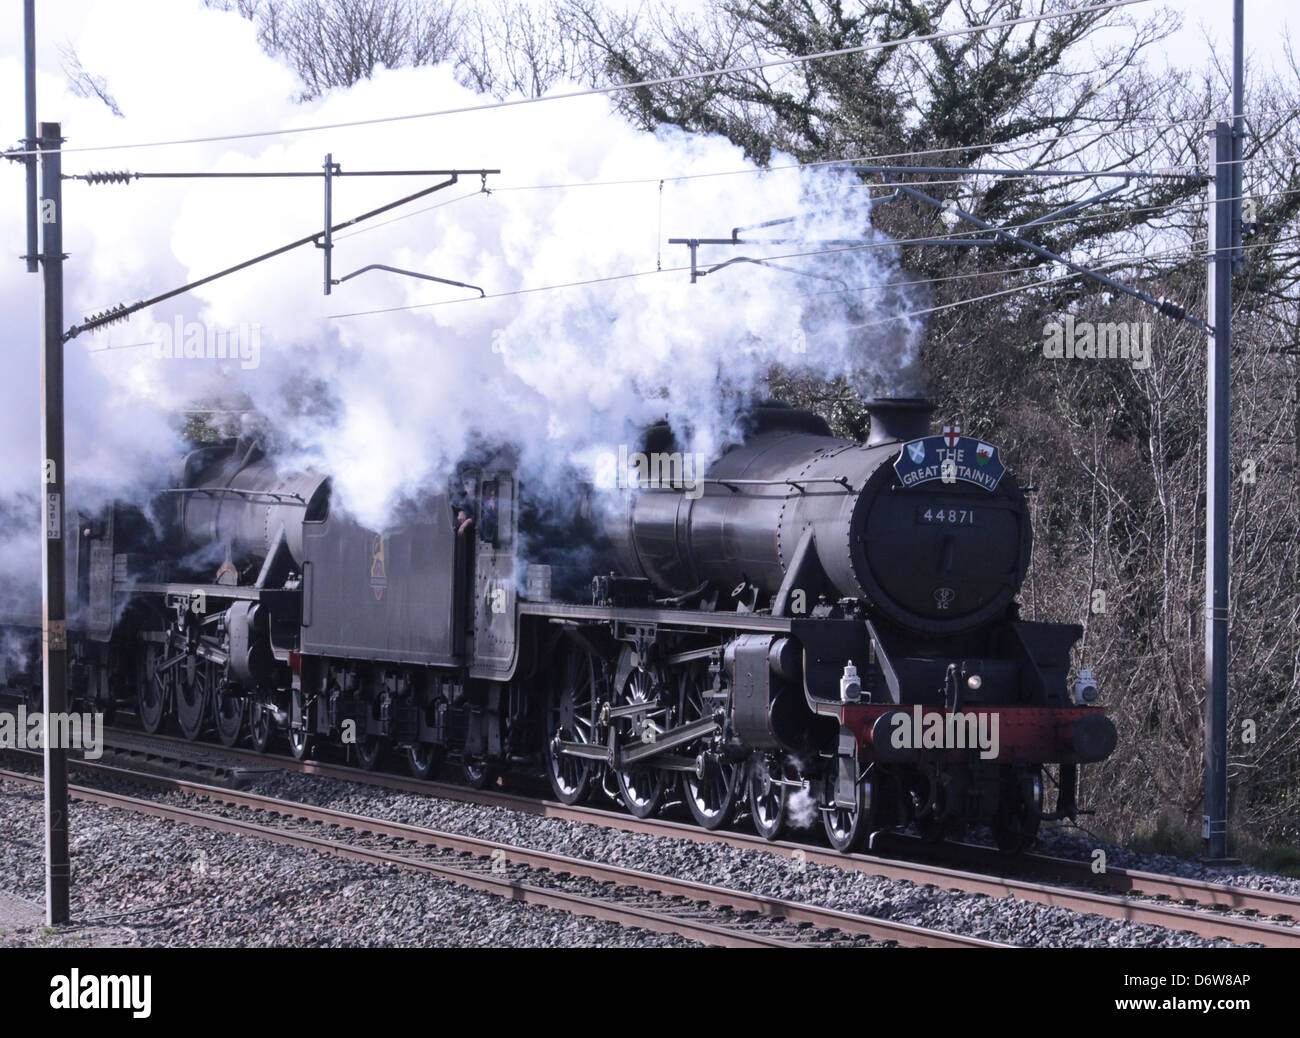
82, 83
245, 8
512, 47
335, 43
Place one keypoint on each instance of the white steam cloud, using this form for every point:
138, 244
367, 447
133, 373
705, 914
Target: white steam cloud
801, 809
387, 402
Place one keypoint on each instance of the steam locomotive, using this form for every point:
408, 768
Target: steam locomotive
811, 622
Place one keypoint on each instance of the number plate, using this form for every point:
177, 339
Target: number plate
932, 515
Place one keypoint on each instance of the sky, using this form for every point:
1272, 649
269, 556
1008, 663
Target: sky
1269, 24
178, 71
385, 401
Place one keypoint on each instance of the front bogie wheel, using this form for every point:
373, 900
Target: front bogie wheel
261, 726
301, 743
847, 827
768, 795
1015, 823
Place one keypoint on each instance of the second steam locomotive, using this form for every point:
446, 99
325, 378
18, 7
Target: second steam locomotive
814, 626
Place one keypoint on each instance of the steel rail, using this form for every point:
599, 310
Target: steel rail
849, 923
1110, 905
624, 915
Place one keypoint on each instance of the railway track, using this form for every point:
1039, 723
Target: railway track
1208, 910
1131, 895
701, 912
1133, 882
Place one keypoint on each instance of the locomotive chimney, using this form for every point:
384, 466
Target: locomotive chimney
898, 418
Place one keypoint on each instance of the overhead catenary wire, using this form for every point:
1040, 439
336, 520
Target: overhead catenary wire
1001, 173
679, 269
882, 243
102, 312
864, 185
1115, 263
122, 311
1269, 244
660, 181
1015, 145
870, 185
986, 296
1131, 259
618, 88
1096, 136
1007, 291
124, 176
480, 193
958, 175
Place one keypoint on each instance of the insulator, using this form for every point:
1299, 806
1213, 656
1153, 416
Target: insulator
1171, 309
109, 316
111, 177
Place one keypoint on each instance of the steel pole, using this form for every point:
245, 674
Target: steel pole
29, 123
1238, 128
54, 628
1217, 483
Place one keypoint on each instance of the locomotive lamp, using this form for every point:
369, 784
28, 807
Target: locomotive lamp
850, 684
974, 682
1085, 689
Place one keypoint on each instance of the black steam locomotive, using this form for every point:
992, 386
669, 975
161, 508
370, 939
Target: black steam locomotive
810, 626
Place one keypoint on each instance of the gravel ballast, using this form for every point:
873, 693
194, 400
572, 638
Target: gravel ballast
773, 874
144, 881
411, 909
1063, 842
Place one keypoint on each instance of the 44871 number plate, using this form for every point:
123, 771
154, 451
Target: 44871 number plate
933, 515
